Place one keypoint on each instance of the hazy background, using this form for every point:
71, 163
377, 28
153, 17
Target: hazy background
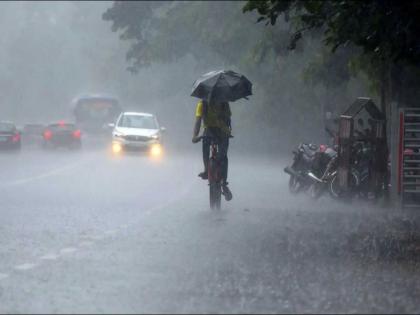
52, 52
91, 232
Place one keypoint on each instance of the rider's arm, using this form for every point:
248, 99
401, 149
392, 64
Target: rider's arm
197, 126
197, 123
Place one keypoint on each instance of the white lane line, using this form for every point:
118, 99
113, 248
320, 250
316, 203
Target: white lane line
111, 232
177, 198
3, 276
68, 250
97, 237
49, 257
86, 237
44, 175
85, 243
27, 266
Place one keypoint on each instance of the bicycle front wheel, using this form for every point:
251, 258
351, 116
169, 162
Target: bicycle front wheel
215, 195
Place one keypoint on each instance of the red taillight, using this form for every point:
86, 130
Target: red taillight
47, 134
77, 134
16, 137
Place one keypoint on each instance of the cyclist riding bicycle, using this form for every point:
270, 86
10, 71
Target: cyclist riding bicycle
216, 117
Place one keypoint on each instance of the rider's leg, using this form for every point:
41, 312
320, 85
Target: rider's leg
206, 157
223, 158
223, 149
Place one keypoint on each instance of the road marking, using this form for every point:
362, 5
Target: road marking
49, 257
44, 175
86, 237
3, 276
85, 243
25, 266
97, 237
111, 232
68, 250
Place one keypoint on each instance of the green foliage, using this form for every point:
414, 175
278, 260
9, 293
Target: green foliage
387, 30
218, 34
135, 20
331, 69
206, 30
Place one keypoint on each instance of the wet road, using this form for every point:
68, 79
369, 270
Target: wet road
82, 232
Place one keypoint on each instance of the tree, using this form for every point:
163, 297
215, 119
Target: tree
385, 30
217, 34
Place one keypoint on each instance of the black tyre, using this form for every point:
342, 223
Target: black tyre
45, 146
316, 190
215, 195
17, 148
76, 146
295, 185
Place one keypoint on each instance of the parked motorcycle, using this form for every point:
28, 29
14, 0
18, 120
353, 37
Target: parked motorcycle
303, 158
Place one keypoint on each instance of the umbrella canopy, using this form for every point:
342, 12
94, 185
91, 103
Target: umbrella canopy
222, 86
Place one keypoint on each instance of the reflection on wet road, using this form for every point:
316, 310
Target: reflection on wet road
85, 232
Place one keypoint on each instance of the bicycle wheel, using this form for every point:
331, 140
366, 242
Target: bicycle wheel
215, 195
215, 188
335, 190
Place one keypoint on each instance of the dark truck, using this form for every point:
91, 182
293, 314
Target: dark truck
93, 113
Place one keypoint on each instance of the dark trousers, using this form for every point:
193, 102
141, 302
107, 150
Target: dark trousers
223, 144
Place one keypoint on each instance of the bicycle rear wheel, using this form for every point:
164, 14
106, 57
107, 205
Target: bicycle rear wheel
215, 195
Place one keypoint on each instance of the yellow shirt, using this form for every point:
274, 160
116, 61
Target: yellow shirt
217, 116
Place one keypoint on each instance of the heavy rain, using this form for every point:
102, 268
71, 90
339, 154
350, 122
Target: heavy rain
210, 156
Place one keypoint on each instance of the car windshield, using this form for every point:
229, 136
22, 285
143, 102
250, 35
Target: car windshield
63, 127
138, 121
6, 127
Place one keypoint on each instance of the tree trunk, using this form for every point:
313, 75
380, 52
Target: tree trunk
386, 93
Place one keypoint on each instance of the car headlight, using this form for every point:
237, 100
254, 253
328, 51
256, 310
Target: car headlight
155, 137
116, 148
156, 151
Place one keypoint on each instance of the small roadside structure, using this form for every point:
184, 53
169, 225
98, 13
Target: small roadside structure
362, 124
407, 166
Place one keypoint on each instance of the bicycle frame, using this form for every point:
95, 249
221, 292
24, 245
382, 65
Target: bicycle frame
214, 175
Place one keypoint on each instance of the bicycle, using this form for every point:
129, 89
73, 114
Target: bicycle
214, 174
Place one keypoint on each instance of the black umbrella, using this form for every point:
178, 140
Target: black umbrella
222, 86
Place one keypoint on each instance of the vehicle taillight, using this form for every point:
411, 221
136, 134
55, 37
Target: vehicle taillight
47, 134
77, 134
16, 137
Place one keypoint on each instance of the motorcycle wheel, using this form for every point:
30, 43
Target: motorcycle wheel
316, 190
294, 185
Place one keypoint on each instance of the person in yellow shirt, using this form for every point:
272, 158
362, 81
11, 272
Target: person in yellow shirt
216, 119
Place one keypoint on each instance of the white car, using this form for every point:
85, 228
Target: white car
135, 131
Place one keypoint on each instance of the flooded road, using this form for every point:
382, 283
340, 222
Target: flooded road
85, 232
